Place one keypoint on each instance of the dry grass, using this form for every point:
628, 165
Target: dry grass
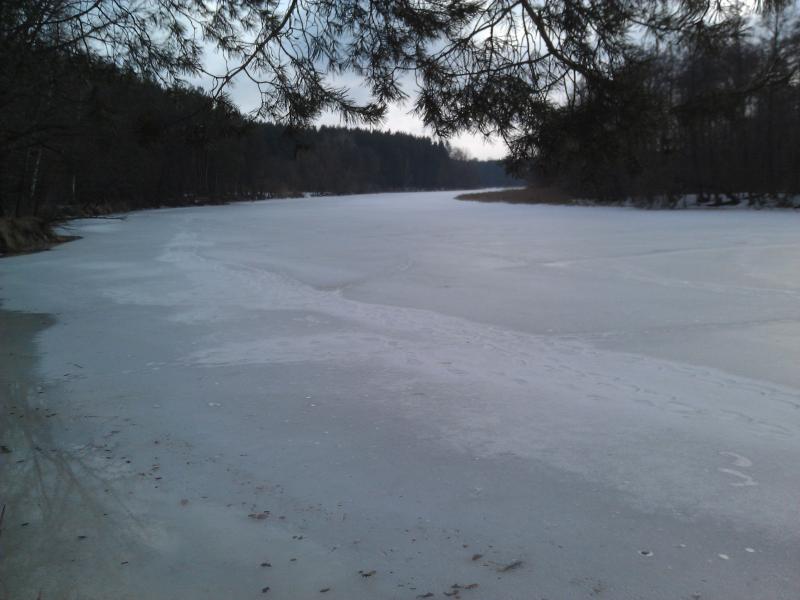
530, 195
27, 234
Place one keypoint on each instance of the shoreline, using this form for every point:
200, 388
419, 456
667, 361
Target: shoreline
554, 196
27, 234
24, 235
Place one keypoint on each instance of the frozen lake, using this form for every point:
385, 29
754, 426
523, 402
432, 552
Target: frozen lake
548, 402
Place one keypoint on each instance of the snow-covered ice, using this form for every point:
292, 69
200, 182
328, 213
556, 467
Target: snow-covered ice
431, 389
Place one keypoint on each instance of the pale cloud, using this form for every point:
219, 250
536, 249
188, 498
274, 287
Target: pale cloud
400, 117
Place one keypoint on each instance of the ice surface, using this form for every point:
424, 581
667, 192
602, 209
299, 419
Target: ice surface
610, 396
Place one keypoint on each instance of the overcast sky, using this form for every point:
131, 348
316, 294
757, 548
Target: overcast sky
399, 118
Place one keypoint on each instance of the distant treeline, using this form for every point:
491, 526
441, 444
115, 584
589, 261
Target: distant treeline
647, 101
86, 137
713, 115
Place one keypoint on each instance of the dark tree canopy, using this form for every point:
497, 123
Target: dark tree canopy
132, 144
524, 70
483, 64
